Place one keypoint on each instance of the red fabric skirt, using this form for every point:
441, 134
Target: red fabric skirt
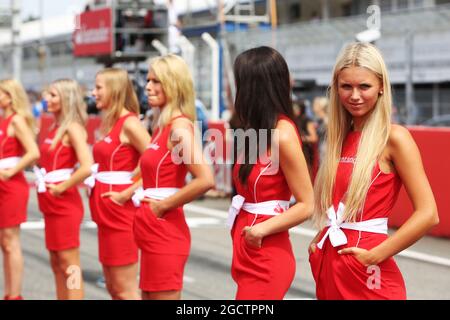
343, 277
115, 227
14, 195
63, 216
264, 273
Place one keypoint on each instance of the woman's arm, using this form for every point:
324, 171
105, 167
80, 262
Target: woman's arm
191, 154
135, 134
78, 140
126, 194
26, 138
295, 169
406, 158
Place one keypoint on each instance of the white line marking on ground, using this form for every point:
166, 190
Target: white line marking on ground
40, 225
188, 279
193, 222
409, 254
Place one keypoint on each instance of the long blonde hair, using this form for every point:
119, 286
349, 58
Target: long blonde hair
374, 136
20, 103
73, 107
176, 81
120, 94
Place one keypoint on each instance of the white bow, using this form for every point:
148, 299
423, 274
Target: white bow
138, 196
40, 179
90, 181
335, 220
236, 204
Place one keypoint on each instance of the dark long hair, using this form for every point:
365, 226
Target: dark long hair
263, 93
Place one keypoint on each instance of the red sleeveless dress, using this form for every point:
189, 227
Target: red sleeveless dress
264, 273
115, 235
343, 276
164, 242
14, 193
62, 214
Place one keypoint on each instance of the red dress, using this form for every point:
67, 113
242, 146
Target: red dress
164, 242
62, 214
14, 192
264, 273
114, 221
344, 277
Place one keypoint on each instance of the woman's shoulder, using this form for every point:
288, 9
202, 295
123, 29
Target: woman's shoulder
400, 141
398, 134
18, 120
75, 128
130, 120
286, 129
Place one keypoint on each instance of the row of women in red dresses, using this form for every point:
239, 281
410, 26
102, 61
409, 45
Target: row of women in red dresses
263, 264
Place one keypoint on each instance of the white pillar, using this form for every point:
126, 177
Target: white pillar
187, 52
16, 45
215, 90
162, 49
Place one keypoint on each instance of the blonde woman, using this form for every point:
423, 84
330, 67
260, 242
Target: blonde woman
65, 146
366, 162
160, 227
18, 150
117, 156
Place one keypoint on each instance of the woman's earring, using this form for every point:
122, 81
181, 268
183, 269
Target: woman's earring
381, 92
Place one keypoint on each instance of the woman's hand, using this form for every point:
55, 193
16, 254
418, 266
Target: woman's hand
312, 247
116, 197
365, 257
158, 208
6, 174
55, 189
253, 235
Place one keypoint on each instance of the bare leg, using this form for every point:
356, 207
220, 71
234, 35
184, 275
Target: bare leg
121, 282
68, 276
12, 261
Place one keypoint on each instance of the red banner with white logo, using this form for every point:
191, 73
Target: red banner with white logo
93, 35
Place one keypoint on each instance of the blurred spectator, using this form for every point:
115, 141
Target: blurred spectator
307, 130
201, 116
320, 108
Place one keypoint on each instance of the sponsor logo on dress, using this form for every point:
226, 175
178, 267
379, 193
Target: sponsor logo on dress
278, 209
348, 160
153, 146
107, 139
48, 141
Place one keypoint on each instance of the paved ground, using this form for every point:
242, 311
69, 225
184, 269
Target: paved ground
207, 273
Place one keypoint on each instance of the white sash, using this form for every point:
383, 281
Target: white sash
271, 208
8, 163
336, 223
42, 177
108, 177
152, 193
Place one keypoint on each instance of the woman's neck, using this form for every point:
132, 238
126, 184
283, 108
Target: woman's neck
8, 112
124, 112
58, 118
358, 124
